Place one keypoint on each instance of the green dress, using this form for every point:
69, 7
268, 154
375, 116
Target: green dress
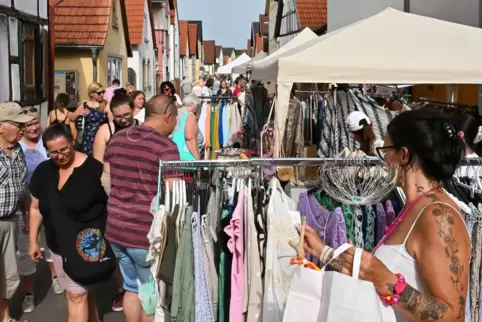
182, 307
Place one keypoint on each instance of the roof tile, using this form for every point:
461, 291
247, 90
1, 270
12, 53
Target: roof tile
135, 20
82, 22
192, 34
312, 13
209, 52
183, 37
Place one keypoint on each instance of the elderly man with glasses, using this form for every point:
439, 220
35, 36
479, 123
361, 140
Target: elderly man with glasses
13, 176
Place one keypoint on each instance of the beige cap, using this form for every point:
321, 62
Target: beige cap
14, 113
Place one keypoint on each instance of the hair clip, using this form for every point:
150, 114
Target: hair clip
450, 129
478, 137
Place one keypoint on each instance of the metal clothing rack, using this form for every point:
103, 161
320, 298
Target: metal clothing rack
276, 162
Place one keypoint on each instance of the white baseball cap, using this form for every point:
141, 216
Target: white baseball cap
353, 121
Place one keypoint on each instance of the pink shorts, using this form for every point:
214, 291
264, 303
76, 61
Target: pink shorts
65, 281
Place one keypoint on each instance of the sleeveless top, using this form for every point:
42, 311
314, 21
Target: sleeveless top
397, 259
180, 139
56, 120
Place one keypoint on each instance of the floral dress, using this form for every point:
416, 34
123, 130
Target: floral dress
89, 125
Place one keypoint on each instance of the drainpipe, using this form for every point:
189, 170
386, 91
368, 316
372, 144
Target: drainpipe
95, 51
52, 51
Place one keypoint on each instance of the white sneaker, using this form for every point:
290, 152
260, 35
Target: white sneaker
28, 304
58, 289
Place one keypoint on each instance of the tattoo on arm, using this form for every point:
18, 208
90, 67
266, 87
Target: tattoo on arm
445, 220
426, 307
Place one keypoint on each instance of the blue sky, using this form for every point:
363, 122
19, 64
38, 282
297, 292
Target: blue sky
228, 22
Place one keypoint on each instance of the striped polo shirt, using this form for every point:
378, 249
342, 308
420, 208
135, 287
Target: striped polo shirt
133, 155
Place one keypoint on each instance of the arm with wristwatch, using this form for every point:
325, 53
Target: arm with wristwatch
444, 277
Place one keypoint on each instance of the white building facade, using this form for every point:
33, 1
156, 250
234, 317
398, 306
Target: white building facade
24, 53
142, 65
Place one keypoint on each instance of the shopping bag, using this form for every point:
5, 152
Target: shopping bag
304, 298
348, 299
321, 296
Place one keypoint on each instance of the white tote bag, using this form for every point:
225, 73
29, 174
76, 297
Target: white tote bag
334, 297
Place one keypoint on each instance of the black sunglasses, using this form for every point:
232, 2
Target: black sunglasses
381, 150
100, 92
29, 110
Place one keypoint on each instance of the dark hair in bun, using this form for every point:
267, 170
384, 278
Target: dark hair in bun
431, 139
121, 98
467, 123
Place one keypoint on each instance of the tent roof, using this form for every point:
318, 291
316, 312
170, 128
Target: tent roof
264, 69
226, 69
429, 51
241, 69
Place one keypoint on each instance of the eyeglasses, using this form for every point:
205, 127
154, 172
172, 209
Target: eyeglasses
100, 92
64, 151
381, 150
166, 89
123, 117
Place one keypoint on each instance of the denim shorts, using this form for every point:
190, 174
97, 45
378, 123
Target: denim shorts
133, 265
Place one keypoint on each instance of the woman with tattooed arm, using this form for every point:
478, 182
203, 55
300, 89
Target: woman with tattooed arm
421, 266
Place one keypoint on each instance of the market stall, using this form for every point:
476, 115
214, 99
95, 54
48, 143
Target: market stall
227, 69
261, 71
243, 68
425, 51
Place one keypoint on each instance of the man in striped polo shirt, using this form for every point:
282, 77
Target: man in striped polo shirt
132, 161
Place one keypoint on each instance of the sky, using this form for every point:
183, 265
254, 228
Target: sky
228, 22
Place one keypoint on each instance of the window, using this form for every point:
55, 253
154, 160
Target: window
132, 77
114, 69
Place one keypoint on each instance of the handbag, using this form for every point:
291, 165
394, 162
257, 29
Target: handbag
87, 256
326, 296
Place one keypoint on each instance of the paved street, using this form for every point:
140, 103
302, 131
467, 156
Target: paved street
53, 308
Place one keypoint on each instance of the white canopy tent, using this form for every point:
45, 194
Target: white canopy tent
429, 51
265, 69
227, 69
241, 69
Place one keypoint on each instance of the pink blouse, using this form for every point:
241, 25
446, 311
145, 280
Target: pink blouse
235, 245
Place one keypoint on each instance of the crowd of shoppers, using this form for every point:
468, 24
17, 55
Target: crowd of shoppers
85, 205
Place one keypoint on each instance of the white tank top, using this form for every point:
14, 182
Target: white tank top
398, 260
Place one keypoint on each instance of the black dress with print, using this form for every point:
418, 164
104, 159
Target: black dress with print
91, 123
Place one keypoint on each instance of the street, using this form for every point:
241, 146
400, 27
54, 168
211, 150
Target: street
53, 308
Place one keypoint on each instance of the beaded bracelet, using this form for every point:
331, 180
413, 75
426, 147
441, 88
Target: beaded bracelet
399, 288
